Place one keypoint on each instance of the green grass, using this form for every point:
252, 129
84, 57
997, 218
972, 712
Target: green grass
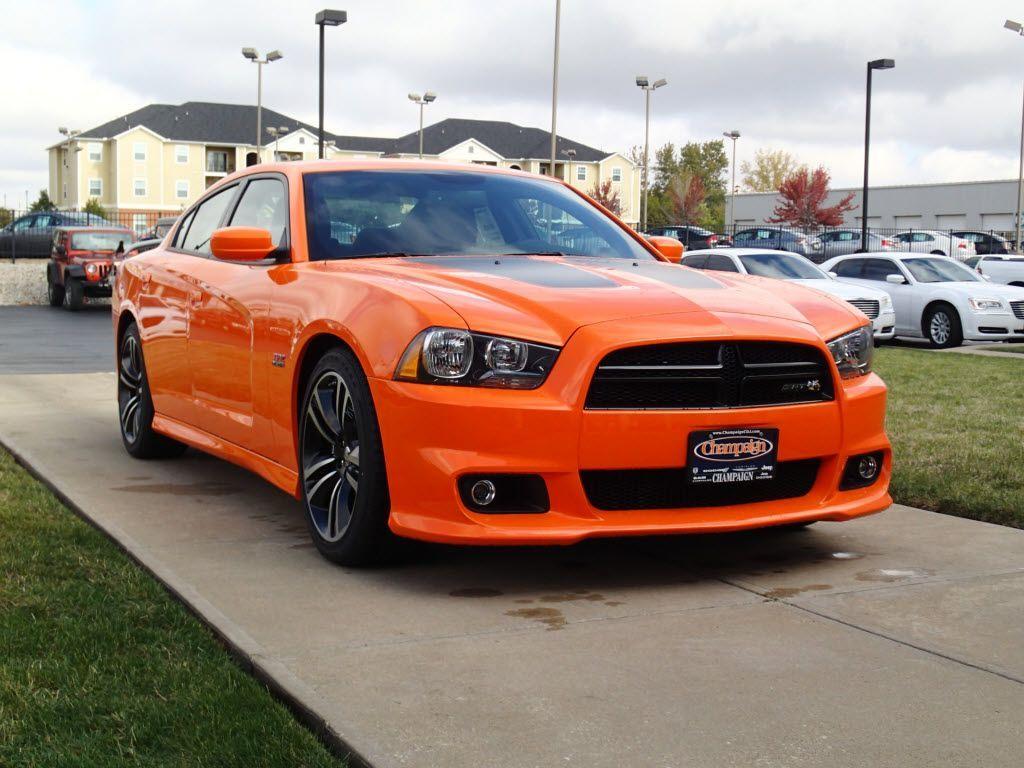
957, 427
100, 667
1017, 349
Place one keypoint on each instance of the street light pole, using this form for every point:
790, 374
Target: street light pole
325, 18
1017, 27
254, 57
647, 86
554, 86
571, 154
426, 98
734, 135
872, 65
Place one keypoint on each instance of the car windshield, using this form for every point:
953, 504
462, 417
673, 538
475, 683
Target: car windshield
352, 214
99, 241
782, 267
940, 271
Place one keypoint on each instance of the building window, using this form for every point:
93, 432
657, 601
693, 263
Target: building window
302, 139
139, 151
139, 188
180, 154
470, 149
616, 174
140, 223
95, 187
95, 152
581, 173
216, 161
181, 189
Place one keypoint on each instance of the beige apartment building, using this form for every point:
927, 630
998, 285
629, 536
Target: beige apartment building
159, 159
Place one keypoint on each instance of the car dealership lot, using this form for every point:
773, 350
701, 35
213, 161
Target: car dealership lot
897, 638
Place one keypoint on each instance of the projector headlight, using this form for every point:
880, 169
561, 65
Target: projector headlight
853, 351
456, 356
985, 304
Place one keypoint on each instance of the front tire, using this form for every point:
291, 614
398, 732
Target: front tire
74, 294
135, 404
942, 327
341, 460
54, 292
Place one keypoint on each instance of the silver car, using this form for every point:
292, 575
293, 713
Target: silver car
839, 242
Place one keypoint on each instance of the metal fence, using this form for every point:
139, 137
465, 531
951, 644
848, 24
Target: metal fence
29, 234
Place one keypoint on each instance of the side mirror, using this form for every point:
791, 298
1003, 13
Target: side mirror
895, 279
60, 249
241, 244
833, 275
668, 247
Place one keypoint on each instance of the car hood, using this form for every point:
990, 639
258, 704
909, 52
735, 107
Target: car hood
1008, 292
844, 291
546, 299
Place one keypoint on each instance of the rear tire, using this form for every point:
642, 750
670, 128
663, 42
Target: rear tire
74, 294
135, 404
54, 292
942, 327
341, 461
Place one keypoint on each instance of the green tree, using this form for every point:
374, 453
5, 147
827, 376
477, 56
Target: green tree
42, 203
707, 161
93, 208
768, 170
6, 216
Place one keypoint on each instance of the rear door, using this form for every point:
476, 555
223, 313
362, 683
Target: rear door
228, 299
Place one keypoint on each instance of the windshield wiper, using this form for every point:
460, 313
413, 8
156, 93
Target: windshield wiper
383, 255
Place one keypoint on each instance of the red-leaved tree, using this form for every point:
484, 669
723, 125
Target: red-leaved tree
686, 195
802, 201
606, 196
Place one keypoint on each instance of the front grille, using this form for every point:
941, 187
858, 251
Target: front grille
1018, 309
104, 270
618, 489
868, 306
710, 375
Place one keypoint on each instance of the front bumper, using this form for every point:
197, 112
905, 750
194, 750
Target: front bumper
884, 326
992, 326
434, 434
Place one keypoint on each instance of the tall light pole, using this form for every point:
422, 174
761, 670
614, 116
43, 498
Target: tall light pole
326, 18
554, 86
571, 154
647, 87
426, 98
277, 133
1017, 27
254, 57
732, 190
872, 66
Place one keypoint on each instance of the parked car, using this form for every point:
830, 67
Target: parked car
782, 265
780, 239
985, 242
31, 235
1000, 269
938, 243
80, 260
936, 297
837, 242
159, 230
451, 375
692, 237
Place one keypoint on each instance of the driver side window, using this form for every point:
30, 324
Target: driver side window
207, 218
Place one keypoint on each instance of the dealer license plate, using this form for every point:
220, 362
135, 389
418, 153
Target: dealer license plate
732, 455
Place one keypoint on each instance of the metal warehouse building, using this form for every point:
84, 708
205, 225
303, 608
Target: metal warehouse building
985, 205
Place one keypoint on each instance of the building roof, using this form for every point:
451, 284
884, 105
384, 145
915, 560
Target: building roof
213, 123
511, 141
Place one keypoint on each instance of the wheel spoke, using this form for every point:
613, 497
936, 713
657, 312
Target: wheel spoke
316, 416
311, 493
352, 478
332, 511
129, 414
352, 456
312, 469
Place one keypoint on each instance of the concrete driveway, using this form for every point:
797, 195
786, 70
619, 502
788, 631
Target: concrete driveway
894, 640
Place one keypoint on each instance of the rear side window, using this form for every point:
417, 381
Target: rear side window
879, 269
697, 260
721, 263
179, 236
264, 205
206, 219
849, 268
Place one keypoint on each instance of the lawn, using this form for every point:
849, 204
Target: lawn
957, 427
100, 667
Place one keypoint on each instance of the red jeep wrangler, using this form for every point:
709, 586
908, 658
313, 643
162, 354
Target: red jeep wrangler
80, 262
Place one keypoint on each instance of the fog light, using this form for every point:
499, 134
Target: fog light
867, 467
483, 492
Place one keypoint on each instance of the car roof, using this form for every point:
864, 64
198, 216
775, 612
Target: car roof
743, 252
87, 228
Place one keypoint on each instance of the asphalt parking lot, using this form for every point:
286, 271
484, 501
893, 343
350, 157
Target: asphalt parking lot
897, 639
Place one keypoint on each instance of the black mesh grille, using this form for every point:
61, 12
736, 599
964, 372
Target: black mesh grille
710, 375
618, 489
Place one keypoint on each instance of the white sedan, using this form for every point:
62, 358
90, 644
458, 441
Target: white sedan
783, 265
938, 243
937, 298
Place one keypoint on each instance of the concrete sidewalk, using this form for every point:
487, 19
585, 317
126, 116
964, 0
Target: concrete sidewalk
893, 640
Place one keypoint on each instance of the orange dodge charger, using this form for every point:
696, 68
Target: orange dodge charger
464, 354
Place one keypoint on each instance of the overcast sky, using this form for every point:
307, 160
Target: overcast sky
788, 74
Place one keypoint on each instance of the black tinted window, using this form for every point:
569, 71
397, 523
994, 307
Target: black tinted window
697, 260
720, 263
849, 268
879, 269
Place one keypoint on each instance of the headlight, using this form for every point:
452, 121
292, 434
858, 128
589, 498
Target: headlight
985, 304
91, 268
885, 305
852, 352
455, 356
